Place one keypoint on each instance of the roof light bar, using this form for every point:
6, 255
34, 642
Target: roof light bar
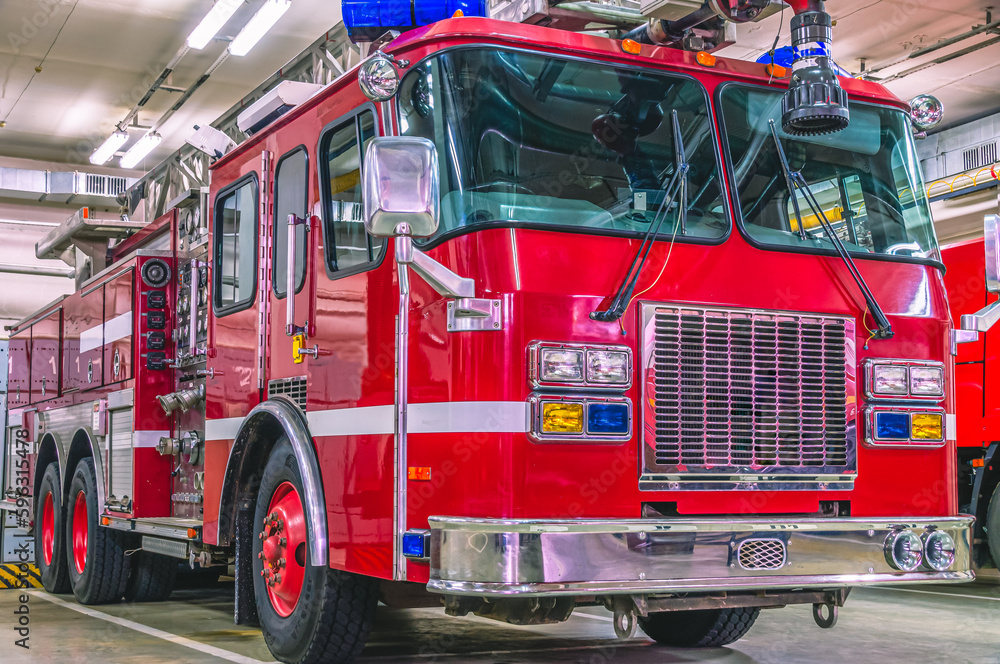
139, 151
108, 148
216, 17
257, 27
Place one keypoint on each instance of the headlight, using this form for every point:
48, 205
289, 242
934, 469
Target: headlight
608, 366
889, 380
556, 365
927, 381
561, 365
904, 379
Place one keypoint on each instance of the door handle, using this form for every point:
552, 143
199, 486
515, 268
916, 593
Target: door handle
291, 329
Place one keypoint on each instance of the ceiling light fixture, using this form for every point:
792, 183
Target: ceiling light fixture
139, 151
108, 148
216, 17
257, 27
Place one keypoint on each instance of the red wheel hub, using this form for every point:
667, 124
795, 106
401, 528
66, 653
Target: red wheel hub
283, 550
80, 526
48, 528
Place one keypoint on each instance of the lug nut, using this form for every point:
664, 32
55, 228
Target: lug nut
277, 578
283, 542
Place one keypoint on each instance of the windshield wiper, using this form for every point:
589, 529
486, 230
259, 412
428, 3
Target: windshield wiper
678, 183
798, 183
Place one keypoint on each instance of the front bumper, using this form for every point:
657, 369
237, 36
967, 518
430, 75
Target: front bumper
493, 557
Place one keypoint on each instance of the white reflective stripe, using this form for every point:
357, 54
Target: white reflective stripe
367, 421
224, 429
444, 417
92, 338
147, 438
951, 426
469, 417
118, 327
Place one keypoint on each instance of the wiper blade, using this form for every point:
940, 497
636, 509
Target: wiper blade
677, 184
798, 183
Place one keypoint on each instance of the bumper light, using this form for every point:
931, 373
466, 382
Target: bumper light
939, 550
927, 426
560, 417
608, 418
927, 381
561, 365
904, 550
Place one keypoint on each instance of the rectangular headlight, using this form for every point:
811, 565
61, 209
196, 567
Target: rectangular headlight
889, 380
561, 365
927, 381
608, 366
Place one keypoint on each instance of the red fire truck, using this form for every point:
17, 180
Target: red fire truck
972, 284
514, 319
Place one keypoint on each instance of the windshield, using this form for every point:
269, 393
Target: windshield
528, 139
866, 179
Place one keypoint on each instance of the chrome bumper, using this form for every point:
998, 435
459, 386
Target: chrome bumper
488, 557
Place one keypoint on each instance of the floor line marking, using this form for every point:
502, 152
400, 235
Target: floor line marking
591, 616
150, 631
934, 592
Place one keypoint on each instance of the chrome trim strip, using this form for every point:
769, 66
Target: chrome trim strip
868, 367
402, 380
496, 557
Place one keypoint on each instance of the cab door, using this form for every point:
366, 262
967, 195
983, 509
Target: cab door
290, 326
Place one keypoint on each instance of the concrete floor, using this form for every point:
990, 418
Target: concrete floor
958, 624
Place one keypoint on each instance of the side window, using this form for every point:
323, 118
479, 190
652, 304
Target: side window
348, 245
291, 196
235, 234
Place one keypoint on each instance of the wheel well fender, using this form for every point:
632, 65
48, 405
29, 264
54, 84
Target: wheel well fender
259, 432
82, 447
47, 452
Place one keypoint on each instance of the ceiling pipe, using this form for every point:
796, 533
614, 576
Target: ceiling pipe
36, 270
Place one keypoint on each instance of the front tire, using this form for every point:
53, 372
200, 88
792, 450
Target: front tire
711, 628
49, 517
993, 526
98, 567
309, 614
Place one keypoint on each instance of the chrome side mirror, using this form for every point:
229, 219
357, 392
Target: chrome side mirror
991, 241
401, 186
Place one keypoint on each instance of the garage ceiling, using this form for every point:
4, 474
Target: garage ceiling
98, 57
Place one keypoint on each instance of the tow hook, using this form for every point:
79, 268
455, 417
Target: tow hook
826, 622
624, 617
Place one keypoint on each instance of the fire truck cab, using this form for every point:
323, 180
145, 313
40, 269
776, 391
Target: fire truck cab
513, 319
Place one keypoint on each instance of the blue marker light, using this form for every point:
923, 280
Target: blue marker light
416, 544
608, 418
367, 20
892, 426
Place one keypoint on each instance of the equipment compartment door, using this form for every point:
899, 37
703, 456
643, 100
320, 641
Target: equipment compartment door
45, 357
83, 341
118, 328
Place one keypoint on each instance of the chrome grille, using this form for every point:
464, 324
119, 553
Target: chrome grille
757, 554
293, 388
739, 391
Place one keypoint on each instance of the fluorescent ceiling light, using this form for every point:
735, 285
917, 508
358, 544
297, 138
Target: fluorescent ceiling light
139, 151
258, 26
216, 17
109, 148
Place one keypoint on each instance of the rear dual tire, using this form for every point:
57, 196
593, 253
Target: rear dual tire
96, 560
49, 541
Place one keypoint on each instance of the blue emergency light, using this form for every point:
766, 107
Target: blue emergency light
892, 426
608, 418
367, 20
